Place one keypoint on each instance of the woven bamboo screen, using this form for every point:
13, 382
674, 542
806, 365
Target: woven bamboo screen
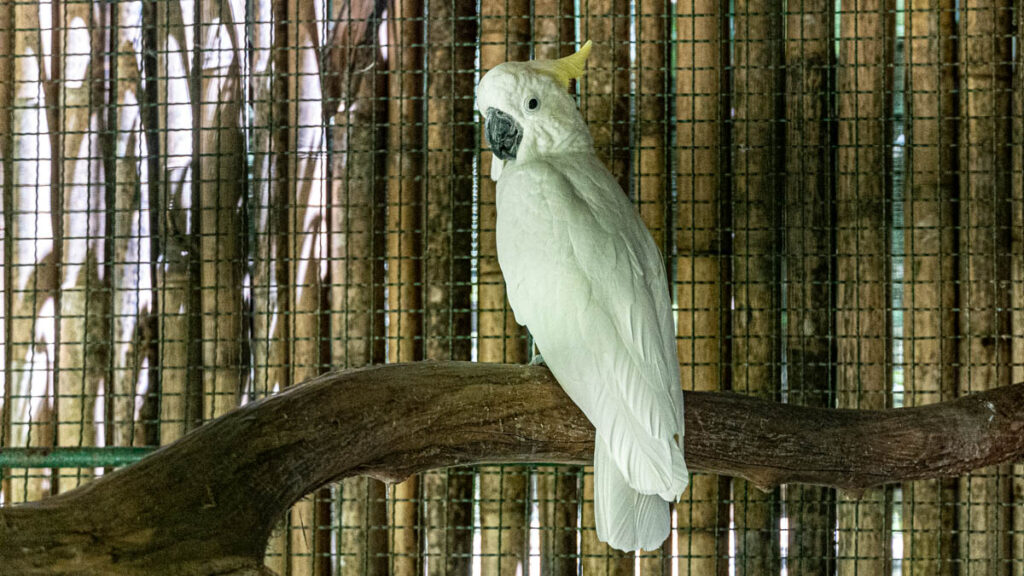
208, 202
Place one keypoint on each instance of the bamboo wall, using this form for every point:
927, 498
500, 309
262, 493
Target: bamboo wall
205, 203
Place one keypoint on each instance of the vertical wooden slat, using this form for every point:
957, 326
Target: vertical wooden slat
54, 94
605, 90
451, 145
307, 198
269, 141
702, 108
557, 494
863, 331
192, 189
650, 153
149, 99
175, 252
104, 94
29, 257
1017, 294
929, 294
130, 305
504, 492
755, 269
83, 333
7, 223
606, 86
650, 162
404, 242
554, 29
356, 237
271, 296
809, 245
222, 181
985, 33
558, 511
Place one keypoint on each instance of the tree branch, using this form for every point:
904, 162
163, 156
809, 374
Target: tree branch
207, 503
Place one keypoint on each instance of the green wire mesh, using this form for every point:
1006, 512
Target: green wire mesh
205, 203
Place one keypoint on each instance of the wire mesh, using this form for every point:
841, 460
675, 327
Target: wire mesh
205, 203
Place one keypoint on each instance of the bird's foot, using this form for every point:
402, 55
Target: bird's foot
537, 360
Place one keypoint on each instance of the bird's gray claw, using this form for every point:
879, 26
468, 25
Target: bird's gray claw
538, 360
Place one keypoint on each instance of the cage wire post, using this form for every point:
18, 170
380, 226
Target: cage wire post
207, 203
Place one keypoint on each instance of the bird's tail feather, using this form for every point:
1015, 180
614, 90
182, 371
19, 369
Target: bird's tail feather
625, 519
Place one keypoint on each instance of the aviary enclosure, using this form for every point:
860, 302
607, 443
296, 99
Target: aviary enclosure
206, 203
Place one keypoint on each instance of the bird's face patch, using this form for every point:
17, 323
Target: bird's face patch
503, 133
527, 113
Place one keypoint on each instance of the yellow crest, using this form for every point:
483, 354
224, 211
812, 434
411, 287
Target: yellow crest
565, 69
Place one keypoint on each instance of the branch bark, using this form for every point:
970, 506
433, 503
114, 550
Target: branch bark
207, 503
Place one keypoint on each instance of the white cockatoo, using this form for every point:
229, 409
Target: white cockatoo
584, 275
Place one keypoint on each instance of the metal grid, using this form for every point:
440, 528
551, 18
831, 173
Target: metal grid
205, 203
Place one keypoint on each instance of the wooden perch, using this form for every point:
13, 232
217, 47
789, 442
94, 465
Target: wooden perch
207, 504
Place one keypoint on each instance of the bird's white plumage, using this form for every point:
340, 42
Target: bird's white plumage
629, 520
584, 275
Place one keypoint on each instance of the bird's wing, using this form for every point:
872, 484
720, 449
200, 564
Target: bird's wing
584, 275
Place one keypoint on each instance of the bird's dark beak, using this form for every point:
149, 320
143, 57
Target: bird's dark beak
503, 133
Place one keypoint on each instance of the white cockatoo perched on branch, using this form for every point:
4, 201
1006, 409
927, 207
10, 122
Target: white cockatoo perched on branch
584, 275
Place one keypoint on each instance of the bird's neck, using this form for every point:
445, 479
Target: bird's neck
560, 141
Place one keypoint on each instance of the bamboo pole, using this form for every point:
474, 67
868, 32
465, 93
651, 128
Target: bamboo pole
1018, 281
929, 296
404, 245
606, 86
173, 282
451, 145
82, 340
756, 330
54, 92
809, 246
703, 289
221, 188
29, 256
863, 233
130, 306
985, 33
103, 94
358, 196
7, 90
554, 29
650, 158
269, 143
557, 486
504, 492
605, 103
147, 334
306, 216
221, 172
271, 294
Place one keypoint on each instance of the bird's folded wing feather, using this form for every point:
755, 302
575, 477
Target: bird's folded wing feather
584, 274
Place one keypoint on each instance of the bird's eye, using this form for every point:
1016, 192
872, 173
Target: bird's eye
532, 104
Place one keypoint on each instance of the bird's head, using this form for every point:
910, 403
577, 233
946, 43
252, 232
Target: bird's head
528, 111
